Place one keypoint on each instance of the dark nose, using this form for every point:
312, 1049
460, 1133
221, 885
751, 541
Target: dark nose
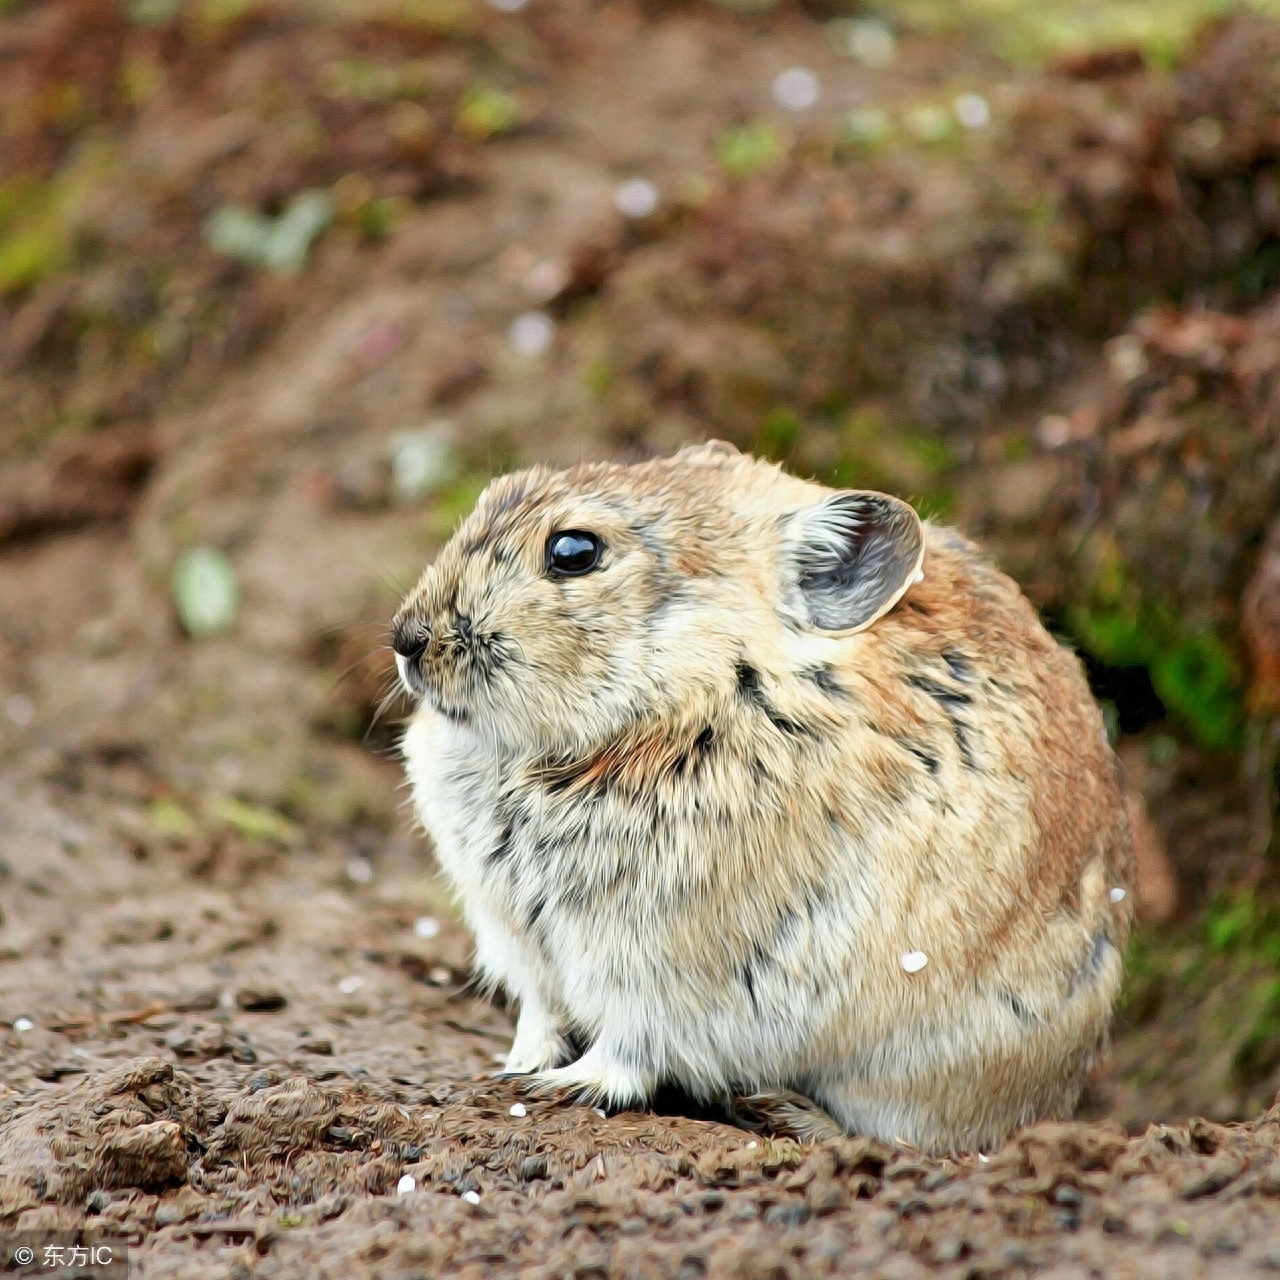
409, 642
409, 639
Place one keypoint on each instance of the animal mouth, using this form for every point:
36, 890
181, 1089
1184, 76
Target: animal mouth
414, 684
410, 676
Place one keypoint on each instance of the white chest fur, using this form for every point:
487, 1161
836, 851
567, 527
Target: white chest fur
605, 915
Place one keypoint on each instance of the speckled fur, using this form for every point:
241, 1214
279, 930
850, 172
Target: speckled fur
699, 834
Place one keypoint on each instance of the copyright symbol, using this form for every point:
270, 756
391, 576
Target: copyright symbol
23, 1255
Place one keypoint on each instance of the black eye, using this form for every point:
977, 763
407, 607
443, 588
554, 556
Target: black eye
573, 553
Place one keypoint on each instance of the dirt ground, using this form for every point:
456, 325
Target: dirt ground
234, 1003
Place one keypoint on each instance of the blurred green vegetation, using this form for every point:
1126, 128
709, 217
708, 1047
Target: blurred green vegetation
1028, 32
748, 148
1193, 670
870, 452
1217, 976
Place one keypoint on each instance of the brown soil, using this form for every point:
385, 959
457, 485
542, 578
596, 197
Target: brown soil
222, 1035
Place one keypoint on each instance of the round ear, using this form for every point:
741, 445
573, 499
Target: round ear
851, 558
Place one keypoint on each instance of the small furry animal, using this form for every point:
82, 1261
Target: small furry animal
746, 784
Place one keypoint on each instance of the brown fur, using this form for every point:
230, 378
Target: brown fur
703, 830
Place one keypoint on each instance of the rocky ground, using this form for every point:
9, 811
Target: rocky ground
282, 284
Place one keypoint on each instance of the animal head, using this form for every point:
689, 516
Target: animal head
572, 605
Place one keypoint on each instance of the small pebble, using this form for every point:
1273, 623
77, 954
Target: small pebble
868, 126
519, 1110
531, 334
426, 927
206, 592
914, 961
1118, 894
422, 461
471, 1197
545, 279
307, 215
1054, 431
930, 123
636, 198
439, 976
23, 1024
972, 110
1205, 134
1126, 357
869, 41
797, 89
352, 982
20, 709
407, 1184
360, 871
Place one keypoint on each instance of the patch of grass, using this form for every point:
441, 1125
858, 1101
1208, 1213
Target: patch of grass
748, 149
1242, 931
1246, 926
37, 234
253, 822
171, 819
598, 377
484, 112
896, 457
1194, 673
778, 435
452, 504
33, 240
1215, 981
1031, 32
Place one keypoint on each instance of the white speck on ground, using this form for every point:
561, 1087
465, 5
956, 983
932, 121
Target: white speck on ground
797, 89
531, 334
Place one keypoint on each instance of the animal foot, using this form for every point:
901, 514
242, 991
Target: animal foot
594, 1080
785, 1114
524, 1059
538, 1045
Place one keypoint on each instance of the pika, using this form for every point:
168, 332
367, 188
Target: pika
747, 785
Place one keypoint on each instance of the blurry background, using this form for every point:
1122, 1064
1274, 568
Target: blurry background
282, 283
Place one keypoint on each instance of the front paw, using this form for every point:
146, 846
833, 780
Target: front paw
594, 1080
531, 1056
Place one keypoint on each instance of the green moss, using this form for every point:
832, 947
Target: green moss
171, 819
36, 232
1244, 925
748, 149
454, 503
33, 239
484, 112
599, 378
896, 457
1193, 669
1033, 31
376, 219
253, 822
778, 435
1194, 673
1208, 989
